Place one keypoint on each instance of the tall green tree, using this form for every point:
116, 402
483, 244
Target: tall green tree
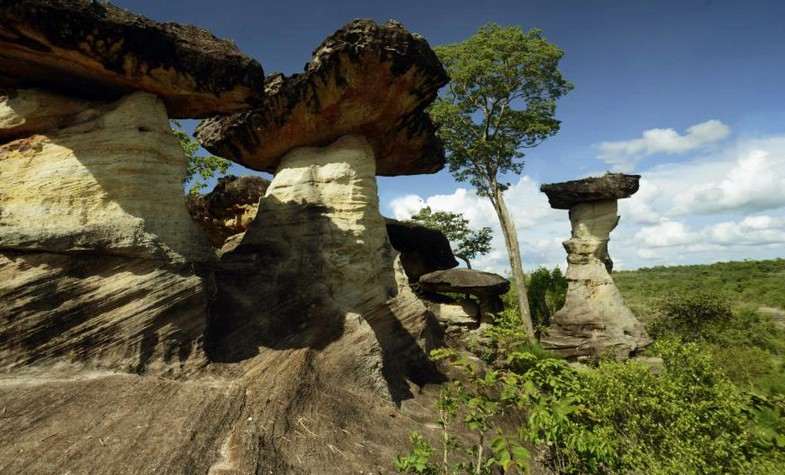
199, 168
467, 243
500, 102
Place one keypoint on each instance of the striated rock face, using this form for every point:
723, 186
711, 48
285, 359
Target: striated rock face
422, 249
97, 50
317, 257
127, 314
229, 208
24, 112
97, 250
369, 79
594, 320
111, 184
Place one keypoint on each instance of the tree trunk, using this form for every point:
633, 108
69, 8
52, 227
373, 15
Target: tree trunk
468, 264
516, 263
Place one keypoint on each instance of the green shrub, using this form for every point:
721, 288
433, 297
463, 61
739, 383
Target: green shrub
546, 291
690, 316
747, 346
623, 418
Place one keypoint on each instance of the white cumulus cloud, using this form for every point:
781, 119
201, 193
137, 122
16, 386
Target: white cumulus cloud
624, 155
725, 205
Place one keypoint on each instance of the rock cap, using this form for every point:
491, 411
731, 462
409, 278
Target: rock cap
611, 186
96, 50
465, 281
422, 249
368, 79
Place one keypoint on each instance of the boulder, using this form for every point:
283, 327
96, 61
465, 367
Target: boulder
368, 79
463, 313
96, 50
594, 319
611, 186
422, 249
229, 208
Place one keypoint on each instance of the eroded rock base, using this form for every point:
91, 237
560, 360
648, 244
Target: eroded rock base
594, 319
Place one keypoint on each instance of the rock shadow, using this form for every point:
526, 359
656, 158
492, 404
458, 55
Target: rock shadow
270, 294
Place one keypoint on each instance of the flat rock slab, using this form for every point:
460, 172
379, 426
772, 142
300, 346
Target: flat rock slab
365, 79
97, 50
611, 186
465, 280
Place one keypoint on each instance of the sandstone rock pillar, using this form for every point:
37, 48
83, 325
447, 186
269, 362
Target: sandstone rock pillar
100, 263
594, 320
315, 271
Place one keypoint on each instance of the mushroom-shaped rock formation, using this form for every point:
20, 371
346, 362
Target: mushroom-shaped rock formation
365, 79
486, 286
422, 249
229, 208
96, 50
286, 356
594, 319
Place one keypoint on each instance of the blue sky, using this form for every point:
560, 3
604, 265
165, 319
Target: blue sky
637, 66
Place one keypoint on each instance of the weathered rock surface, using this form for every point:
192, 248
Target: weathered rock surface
25, 112
364, 79
97, 50
462, 313
229, 208
112, 184
99, 311
318, 259
289, 355
594, 320
422, 249
97, 250
611, 186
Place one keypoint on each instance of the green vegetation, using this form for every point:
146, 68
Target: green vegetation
466, 243
715, 405
199, 168
547, 290
501, 100
749, 284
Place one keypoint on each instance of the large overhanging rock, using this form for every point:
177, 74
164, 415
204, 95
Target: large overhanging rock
422, 249
365, 79
97, 250
97, 50
594, 319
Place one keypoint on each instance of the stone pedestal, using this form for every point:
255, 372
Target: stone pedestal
594, 320
100, 264
316, 269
